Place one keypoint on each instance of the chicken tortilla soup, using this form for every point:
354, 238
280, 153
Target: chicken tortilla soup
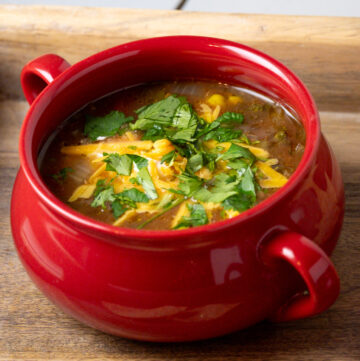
172, 155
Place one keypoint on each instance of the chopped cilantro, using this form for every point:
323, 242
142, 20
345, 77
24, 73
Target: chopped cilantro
238, 164
223, 134
61, 175
145, 180
182, 116
195, 162
105, 126
236, 151
231, 117
134, 195
118, 208
224, 187
103, 194
188, 185
161, 113
197, 217
247, 184
168, 157
154, 133
121, 164
133, 180
187, 134
139, 161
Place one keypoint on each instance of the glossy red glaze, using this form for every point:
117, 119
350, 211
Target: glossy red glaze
40, 72
186, 284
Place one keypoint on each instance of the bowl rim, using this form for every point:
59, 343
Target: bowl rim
30, 168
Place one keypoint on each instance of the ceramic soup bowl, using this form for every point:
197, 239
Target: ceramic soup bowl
270, 262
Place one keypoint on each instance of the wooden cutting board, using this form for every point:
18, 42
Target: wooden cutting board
324, 52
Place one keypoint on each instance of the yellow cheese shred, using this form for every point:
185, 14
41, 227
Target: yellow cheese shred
258, 152
83, 191
183, 210
216, 112
98, 171
274, 178
230, 213
121, 147
128, 214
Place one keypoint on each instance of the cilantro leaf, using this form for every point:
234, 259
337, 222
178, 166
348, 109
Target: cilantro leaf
224, 187
118, 208
154, 133
121, 164
198, 217
238, 164
105, 126
195, 162
182, 116
231, 117
247, 184
161, 112
134, 195
204, 195
61, 175
187, 133
223, 134
140, 162
168, 157
246, 195
188, 185
145, 180
236, 151
239, 202
102, 195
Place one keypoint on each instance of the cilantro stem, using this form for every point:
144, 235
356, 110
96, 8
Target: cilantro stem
176, 203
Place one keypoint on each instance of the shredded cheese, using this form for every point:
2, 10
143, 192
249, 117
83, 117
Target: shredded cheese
216, 112
274, 178
121, 147
230, 213
258, 152
83, 191
183, 211
98, 171
128, 214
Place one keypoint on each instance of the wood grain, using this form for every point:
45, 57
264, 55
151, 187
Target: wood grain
33, 329
310, 46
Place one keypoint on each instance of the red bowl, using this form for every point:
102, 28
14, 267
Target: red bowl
185, 284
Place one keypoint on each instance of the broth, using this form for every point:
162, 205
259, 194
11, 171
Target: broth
175, 165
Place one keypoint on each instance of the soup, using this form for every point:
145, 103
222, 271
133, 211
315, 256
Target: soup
172, 155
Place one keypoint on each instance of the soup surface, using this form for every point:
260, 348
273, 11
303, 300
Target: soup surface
172, 155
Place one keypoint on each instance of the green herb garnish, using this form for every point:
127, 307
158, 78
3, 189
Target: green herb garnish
105, 126
236, 151
169, 158
197, 217
121, 164
145, 180
61, 175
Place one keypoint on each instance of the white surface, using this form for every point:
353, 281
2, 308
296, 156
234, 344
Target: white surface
291, 7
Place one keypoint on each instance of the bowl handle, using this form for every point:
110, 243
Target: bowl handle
313, 265
40, 72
